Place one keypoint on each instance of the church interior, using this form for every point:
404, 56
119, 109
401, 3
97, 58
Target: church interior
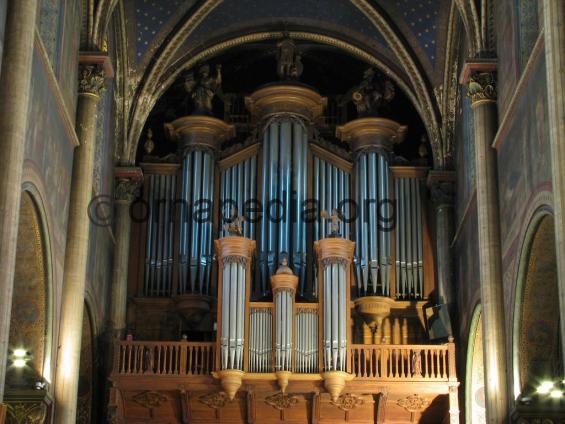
282, 211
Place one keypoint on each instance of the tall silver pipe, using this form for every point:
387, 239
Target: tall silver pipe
342, 315
224, 340
382, 207
419, 224
149, 239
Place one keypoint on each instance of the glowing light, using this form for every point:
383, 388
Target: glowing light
545, 387
20, 353
19, 363
556, 394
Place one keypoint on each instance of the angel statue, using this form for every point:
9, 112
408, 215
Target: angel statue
202, 89
371, 95
234, 224
335, 218
289, 61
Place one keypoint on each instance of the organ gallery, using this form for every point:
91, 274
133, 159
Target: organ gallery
305, 212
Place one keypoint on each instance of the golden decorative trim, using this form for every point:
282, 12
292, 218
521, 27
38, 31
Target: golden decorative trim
409, 171
200, 131
332, 248
150, 168
366, 133
240, 156
285, 98
232, 246
281, 282
281, 401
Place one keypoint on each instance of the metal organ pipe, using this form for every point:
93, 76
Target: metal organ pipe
284, 112
160, 235
199, 138
335, 256
409, 238
372, 140
283, 285
234, 254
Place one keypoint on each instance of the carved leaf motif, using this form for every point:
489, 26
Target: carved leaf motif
281, 401
26, 412
214, 400
413, 403
150, 399
347, 402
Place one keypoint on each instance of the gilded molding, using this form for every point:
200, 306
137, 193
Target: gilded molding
481, 87
91, 79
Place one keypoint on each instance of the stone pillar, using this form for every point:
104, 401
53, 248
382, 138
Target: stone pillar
481, 80
91, 83
128, 181
15, 81
554, 30
442, 186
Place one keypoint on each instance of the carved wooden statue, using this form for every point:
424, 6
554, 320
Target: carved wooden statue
203, 88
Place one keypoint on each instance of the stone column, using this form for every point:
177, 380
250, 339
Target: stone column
442, 186
128, 181
554, 30
15, 81
91, 83
481, 80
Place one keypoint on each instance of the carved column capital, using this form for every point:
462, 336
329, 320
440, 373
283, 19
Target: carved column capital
127, 184
443, 193
482, 87
479, 76
91, 79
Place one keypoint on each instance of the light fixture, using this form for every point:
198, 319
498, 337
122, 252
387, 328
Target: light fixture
556, 394
19, 353
545, 387
19, 363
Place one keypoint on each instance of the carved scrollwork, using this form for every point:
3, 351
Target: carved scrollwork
215, 400
482, 87
91, 79
281, 401
150, 399
413, 403
347, 402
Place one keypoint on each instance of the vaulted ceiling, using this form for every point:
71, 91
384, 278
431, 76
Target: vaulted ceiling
406, 39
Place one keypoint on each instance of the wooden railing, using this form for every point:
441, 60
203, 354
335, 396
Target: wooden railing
164, 358
403, 362
366, 362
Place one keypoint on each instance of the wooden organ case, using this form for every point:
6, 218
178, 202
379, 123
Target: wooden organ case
309, 310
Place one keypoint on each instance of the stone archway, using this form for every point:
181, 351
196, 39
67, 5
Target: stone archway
29, 320
475, 384
538, 344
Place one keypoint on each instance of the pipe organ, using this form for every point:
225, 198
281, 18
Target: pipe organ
289, 289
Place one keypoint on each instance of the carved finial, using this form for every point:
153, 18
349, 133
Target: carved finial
283, 267
234, 224
335, 218
149, 145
